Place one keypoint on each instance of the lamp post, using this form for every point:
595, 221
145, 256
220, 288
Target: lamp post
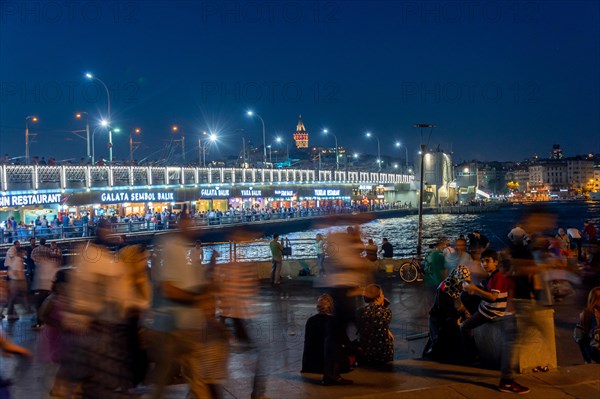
369, 134
270, 154
33, 119
398, 144
287, 148
102, 124
421, 126
79, 115
175, 129
202, 150
137, 130
110, 143
251, 113
337, 156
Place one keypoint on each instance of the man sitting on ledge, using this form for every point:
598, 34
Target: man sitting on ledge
485, 303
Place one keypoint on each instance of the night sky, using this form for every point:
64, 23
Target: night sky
501, 80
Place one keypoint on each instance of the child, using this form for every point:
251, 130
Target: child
587, 330
491, 298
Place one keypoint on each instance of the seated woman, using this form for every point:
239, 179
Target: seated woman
314, 336
444, 318
587, 330
375, 338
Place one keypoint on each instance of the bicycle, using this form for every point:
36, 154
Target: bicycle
412, 270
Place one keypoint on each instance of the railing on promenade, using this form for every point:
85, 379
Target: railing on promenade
467, 208
39, 177
142, 226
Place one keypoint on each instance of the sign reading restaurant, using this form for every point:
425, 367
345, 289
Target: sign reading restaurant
30, 199
284, 193
125, 196
327, 193
214, 193
251, 193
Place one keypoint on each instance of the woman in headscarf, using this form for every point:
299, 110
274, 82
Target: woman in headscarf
314, 335
444, 317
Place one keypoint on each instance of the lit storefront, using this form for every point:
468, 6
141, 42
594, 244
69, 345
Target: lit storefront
247, 198
370, 195
127, 202
281, 198
27, 207
212, 199
323, 197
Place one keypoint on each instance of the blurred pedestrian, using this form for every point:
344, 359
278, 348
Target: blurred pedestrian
276, 248
347, 274
102, 298
47, 262
575, 237
587, 330
17, 284
319, 249
179, 322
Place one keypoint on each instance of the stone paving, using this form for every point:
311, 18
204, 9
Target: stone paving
279, 332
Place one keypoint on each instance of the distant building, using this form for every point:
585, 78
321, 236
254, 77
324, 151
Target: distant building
556, 152
565, 177
438, 176
301, 135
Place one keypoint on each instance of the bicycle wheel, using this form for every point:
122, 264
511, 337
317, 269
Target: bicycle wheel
408, 272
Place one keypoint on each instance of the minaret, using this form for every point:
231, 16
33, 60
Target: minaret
301, 135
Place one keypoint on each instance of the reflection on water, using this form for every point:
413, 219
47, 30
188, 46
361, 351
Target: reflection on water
402, 232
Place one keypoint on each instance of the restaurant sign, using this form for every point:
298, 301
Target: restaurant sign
327, 193
284, 193
126, 196
214, 193
251, 193
30, 199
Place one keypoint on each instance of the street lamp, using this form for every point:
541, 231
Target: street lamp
79, 115
398, 144
110, 144
378, 150
137, 130
251, 113
270, 154
337, 156
33, 119
201, 150
422, 126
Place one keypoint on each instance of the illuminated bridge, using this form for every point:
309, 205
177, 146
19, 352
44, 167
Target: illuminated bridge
135, 189
26, 178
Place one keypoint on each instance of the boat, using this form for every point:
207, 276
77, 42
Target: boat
595, 196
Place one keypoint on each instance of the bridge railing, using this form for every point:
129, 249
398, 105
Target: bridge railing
40, 177
79, 230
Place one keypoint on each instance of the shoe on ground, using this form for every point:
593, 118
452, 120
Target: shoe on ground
336, 381
512, 386
36, 327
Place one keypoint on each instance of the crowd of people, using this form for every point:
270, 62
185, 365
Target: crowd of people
112, 325
475, 285
69, 225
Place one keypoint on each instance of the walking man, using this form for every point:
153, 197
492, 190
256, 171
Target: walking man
17, 284
47, 261
277, 258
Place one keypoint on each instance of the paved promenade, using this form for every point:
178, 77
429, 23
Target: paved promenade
279, 331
